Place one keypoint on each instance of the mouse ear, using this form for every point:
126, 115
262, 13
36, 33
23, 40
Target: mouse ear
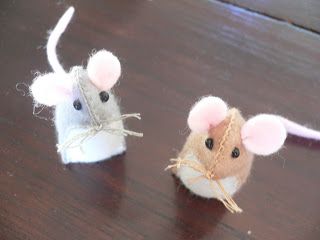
51, 89
104, 69
207, 113
263, 134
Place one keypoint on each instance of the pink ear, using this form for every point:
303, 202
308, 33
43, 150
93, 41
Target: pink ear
263, 134
51, 89
104, 69
207, 113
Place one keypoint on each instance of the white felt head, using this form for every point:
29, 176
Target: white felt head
104, 69
263, 134
207, 113
51, 89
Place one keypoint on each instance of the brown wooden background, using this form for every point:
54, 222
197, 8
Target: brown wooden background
172, 52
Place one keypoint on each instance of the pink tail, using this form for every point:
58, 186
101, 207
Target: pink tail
299, 130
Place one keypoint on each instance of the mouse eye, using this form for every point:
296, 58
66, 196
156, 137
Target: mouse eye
104, 96
77, 104
209, 143
235, 153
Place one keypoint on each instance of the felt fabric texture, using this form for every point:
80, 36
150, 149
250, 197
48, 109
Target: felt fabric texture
54, 38
207, 113
204, 187
201, 168
52, 88
263, 134
89, 128
70, 121
219, 161
104, 69
299, 130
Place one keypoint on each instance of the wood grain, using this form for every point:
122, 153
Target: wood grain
304, 14
172, 52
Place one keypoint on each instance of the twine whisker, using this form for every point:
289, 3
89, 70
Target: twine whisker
227, 201
92, 130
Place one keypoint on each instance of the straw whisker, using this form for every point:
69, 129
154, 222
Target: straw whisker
227, 200
92, 130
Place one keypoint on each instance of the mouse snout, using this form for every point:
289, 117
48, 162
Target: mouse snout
213, 171
210, 174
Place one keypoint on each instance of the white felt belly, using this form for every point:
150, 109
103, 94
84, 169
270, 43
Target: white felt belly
99, 147
204, 187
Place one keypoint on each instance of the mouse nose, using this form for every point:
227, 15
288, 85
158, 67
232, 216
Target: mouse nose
210, 174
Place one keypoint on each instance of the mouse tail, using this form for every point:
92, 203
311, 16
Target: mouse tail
299, 130
54, 38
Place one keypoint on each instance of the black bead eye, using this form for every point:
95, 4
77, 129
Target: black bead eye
235, 152
104, 96
77, 104
209, 143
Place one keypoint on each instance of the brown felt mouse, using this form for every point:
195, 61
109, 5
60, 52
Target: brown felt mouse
217, 157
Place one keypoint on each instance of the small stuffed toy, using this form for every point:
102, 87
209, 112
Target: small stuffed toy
217, 157
87, 116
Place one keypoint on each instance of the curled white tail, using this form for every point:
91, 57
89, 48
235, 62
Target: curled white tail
54, 38
299, 130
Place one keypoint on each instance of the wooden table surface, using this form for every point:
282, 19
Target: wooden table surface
172, 52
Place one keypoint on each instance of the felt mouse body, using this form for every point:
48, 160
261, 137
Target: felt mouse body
218, 154
87, 115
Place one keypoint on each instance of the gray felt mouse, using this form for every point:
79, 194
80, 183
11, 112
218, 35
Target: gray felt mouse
87, 116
